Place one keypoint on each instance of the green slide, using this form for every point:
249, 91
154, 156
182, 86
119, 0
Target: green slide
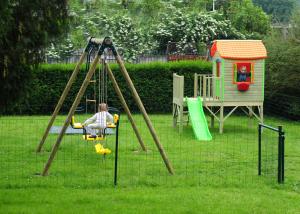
198, 119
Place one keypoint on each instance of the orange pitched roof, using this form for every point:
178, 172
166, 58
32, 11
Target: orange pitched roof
239, 49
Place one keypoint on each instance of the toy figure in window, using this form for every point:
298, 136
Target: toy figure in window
242, 74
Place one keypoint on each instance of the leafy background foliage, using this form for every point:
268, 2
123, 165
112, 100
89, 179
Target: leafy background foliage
32, 30
147, 26
26, 28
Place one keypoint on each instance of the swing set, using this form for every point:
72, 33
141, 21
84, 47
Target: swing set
102, 98
101, 46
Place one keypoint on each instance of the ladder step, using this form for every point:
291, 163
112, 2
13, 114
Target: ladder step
88, 100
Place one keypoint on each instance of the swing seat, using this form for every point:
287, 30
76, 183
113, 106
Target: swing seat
89, 138
115, 121
75, 125
101, 150
111, 125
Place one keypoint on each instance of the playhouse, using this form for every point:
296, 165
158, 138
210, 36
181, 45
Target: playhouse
237, 80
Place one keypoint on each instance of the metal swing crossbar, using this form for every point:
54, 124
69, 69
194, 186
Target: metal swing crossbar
104, 44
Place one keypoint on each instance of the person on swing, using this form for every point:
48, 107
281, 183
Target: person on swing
98, 121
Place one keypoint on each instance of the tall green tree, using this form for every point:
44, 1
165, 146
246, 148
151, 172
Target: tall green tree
280, 10
26, 28
192, 29
248, 18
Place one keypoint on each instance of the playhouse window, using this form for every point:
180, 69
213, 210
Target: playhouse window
243, 72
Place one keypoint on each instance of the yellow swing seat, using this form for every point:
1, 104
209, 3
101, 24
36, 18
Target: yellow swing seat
113, 125
89, 138
75, 125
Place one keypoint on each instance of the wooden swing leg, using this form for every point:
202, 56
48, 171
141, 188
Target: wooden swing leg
125, 106
71, 112
145, 115
61, 100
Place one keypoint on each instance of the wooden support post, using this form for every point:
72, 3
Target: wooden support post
253, 113
180, 116
212, 119
70, 114
250, 112
204, 88
175, 115
213, 114
195, 85
221, 119
145, 115
261, 113
61, 100
209, 87
125, 106
228, 115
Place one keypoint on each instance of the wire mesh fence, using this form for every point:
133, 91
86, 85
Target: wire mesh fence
230, 158
271, 152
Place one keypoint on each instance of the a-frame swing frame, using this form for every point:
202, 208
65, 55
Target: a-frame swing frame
92, 44
106, 43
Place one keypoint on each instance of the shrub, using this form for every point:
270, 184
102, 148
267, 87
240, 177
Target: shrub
282, 77
153, 82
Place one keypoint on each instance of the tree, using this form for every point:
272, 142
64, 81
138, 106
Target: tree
282, 77
249, 19
187, 29
280, 10
26, 28
125, 34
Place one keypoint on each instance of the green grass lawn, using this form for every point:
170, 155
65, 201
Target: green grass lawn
219, 176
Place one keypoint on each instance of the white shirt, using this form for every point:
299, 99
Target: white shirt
101, 118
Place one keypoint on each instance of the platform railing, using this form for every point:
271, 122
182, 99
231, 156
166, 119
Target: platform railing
207, 86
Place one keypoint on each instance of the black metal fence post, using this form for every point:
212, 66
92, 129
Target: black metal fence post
280, 155
116, 154
279, 172
259, 149
282, 143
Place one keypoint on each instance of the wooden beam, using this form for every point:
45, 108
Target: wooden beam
221, 119
251, 110
174, 115
195, 85
261, 113
204, 88
125, 106
180, 114
144, 113
76, 102
247, 113
230, 113
61, 100
212, 113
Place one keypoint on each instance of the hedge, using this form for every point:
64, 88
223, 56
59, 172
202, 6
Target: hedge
153, 82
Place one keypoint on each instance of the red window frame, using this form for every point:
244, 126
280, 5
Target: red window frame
235, 70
